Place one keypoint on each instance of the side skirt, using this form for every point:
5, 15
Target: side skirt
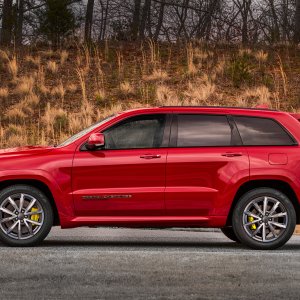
145, 221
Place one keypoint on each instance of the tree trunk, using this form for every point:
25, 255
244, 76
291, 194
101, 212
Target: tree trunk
145, 14
88, 21
19, 26
297, 22
7, 22
136, 19
276, 31
160, 20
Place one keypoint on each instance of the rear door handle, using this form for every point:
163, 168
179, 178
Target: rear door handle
229, 154
150, 156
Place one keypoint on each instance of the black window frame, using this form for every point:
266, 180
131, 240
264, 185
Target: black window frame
165, 139
236, 140
294, 141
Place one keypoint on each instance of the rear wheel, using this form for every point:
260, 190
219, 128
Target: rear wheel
26, 216
228, 232
264, 219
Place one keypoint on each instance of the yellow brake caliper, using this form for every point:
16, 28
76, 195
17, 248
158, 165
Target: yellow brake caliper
252, 226
34, 217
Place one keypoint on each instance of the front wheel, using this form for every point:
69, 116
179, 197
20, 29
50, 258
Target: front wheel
26, 216
264, 219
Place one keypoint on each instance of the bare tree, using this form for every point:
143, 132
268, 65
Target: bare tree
297, 22
19, 23
88, 21
144, 18
136, 19
244, 7
160, 19
7, 22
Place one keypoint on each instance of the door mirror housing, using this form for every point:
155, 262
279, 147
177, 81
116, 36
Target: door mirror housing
96, 140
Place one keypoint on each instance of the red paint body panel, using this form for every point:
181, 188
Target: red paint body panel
119, 172
199, 180
180, 187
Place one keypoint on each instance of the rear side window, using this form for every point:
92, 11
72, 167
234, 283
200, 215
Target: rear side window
262, 132
203, 130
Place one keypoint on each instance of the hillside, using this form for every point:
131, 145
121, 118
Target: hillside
47, 95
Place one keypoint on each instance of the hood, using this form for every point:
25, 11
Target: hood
26, 150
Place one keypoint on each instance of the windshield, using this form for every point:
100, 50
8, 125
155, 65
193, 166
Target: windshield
85, 131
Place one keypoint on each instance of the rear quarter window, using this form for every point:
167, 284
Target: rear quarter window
256, 131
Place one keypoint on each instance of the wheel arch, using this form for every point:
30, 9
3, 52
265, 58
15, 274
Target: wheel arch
279, 185
39, 185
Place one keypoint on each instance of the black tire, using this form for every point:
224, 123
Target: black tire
47, 215
241, 232
228, 232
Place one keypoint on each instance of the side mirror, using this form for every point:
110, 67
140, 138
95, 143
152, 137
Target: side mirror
96, 140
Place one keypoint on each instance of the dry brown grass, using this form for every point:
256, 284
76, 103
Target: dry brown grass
156, 75
63, 56
4, 56
12, 66
126, 88
25, 85
52, 66
199, 92
52, 114
52, 94
4, 93
261, 56
191, 67
72, 88
59, 91
166, 97
35, 61
16, 114
14, 136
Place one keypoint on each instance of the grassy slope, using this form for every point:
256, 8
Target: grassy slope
47, 95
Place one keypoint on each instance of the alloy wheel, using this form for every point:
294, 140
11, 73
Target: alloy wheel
21, 216
265, 219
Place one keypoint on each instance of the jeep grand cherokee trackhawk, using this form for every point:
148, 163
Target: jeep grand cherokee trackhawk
232, 168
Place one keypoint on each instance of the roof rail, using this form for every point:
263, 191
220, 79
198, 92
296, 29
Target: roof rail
211, 106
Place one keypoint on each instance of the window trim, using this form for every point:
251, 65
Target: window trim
235, 136
294, 141
165, 139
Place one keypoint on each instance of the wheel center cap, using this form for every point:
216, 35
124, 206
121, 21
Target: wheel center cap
21, 216
265, 219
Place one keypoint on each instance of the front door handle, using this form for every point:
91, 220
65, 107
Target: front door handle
229, 154
150, 156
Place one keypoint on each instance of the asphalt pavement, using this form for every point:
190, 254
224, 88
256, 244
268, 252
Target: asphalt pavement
113, 263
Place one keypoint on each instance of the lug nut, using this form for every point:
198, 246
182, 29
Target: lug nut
17, 213
26, 217
260, 216
16, 219
260, 222
267, 214
266, 224
270, 219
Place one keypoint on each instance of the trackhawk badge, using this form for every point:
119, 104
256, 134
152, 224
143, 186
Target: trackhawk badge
97, 197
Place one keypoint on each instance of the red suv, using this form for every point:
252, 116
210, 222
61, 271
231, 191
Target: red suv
236, 169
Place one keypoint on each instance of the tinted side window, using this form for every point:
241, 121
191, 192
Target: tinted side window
203, 130
138, 132
262, 132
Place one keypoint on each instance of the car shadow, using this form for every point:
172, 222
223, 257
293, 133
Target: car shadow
140, 244
163, 245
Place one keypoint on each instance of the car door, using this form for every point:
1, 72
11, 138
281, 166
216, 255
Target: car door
127, 176
205, 164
